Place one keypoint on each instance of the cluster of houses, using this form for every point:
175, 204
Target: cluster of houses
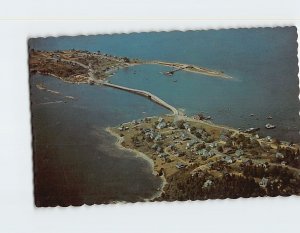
194, 140
191, 142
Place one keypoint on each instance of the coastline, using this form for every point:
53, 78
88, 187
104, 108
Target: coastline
118, 143
191, 155
58, 77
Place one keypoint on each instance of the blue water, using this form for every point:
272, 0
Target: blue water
263, 64
75, 161
219, 98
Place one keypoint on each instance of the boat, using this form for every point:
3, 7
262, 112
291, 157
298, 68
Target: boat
269, 126
169, 73
269, 117
251, 130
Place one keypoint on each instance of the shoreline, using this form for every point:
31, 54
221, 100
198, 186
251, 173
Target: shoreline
139, 154
200, 153
58, 77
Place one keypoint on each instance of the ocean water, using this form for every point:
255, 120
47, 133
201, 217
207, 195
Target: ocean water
228, 102
75, 160
262, 61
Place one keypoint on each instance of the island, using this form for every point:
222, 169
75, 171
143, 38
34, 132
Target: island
195, 158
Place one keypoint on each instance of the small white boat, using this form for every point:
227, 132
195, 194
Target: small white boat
251, 130
269, 126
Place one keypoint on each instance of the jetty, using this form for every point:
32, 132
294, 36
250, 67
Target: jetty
171, 72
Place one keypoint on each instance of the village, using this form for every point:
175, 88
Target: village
196, 158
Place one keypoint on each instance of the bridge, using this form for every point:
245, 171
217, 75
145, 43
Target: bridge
146, 94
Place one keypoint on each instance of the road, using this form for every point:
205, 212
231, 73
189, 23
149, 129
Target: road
147, 94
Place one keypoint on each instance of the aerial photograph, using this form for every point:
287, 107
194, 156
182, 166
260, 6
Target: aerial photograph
164, 116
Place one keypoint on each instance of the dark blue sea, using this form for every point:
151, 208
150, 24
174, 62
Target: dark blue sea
70, 136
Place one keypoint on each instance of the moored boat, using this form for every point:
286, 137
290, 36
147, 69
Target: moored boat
270, 126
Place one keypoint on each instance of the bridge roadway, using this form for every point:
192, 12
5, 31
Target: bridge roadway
147, 94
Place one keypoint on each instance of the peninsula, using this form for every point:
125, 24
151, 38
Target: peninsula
197, 158
85, 67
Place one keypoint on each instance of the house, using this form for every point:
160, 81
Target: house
121, 128
186, 125
213, 145
136, 122
211, 153
263, 182
279, 155
163, 155
207, 184
239, 153
158, 137
224, 138
159, 149
161, 125
191, 143
227, 159
283, 163
150, 135
147, 119
184, 137
248, 162
200, 133
160, 120
204, 153
268, 139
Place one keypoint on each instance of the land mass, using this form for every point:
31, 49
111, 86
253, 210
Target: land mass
86, 67
201, 160
198, 159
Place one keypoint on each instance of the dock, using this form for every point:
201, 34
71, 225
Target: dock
171, 72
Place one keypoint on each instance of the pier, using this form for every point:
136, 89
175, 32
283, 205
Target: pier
171, 72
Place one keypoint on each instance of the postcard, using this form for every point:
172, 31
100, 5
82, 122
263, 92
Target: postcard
165, 116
